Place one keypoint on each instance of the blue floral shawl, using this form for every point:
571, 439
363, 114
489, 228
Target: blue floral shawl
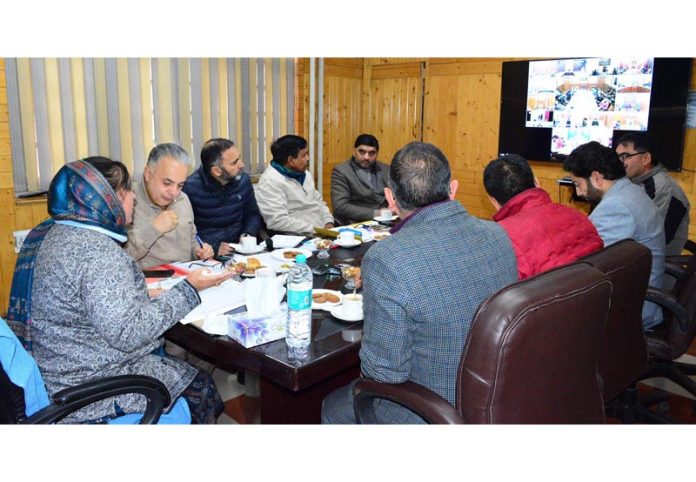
80, 196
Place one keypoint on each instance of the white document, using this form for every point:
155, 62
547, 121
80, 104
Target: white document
285, 241
215, 301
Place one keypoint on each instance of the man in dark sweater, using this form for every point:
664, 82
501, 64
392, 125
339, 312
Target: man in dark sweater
222, 197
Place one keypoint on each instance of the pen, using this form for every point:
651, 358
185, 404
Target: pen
198, 240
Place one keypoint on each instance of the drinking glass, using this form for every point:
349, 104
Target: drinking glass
350, 274
323, 246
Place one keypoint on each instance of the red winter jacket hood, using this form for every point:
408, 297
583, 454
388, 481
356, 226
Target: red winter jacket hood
545, 234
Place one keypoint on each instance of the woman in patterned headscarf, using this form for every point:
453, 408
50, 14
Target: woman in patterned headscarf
79, 303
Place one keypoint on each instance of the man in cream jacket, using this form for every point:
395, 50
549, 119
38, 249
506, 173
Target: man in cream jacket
285, 193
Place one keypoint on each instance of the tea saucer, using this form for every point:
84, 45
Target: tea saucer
347, 244
337, 311
239, 249
382, 219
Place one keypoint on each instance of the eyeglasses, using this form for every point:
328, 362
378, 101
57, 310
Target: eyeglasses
625, 155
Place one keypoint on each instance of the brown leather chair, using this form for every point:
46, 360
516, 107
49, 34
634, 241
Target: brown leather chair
530, 357
623, 355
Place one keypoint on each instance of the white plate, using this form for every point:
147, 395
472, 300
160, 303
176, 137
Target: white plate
381, 219
279, 254
326, 306
239, 249
337, 311
281, 269
348, 244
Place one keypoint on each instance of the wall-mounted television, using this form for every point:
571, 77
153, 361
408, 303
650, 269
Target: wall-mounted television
549, 107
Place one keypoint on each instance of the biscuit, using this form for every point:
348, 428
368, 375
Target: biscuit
331, 298
319, 297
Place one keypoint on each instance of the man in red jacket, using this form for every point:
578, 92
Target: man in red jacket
544, 234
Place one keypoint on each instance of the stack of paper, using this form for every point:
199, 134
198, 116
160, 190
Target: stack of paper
217, 300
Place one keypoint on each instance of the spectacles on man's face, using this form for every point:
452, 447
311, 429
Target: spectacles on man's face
625, 155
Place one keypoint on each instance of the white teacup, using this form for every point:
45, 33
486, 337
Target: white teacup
248, 243
353, 305
346, 236
386, 214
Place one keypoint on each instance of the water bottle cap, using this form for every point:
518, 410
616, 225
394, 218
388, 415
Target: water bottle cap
301, 258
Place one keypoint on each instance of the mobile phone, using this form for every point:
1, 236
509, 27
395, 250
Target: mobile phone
158, 273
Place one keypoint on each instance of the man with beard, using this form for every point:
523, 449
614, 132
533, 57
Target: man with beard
357, 185
224, 206
624, 210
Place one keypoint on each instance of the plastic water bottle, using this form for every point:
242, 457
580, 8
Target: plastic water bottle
298, 329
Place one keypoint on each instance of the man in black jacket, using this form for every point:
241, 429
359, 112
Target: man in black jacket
224, 206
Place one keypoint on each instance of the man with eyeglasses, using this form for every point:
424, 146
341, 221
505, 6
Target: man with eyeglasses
636, 152
357, 185
624, 211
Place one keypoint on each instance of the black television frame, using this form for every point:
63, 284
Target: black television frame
666, 118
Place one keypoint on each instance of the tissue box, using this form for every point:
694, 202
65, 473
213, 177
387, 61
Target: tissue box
250, 332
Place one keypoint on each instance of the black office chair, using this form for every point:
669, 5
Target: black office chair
22, 367
530, 357
670, 340
65, 402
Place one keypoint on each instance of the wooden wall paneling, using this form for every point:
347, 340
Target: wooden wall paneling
394, 108
477, 126
301, 127
342, 114
394, 60
7, 254
441, 116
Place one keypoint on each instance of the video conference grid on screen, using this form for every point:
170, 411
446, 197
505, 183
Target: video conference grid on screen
587, 99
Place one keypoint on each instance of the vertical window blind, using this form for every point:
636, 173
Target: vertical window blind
63, 109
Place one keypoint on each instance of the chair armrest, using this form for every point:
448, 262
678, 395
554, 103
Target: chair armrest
667, 300
71, 399
430, 406
690, 246
683, 259
675, 269
679, 259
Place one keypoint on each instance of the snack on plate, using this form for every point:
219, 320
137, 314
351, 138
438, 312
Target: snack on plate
291, 254
319, 297
325, 298
252, 264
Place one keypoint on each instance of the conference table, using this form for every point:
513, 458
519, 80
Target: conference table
278, 388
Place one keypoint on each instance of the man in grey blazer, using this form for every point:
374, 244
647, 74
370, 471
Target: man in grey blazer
357, 185
624, 211
423, 284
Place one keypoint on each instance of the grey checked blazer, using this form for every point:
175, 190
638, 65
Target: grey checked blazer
422, 286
